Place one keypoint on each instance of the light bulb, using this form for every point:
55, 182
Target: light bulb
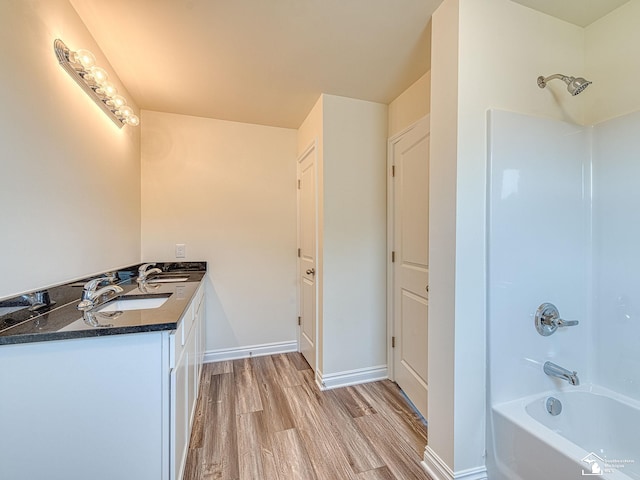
125, 111
107, 89
84, 58
99, 75
117, 101
132, 120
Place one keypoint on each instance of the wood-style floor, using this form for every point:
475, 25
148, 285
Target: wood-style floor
265, 418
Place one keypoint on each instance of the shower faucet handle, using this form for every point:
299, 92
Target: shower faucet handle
566, 323
547, 320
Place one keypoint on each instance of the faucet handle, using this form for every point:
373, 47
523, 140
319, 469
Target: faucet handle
547, 320
144, 266
566, 323
92, 284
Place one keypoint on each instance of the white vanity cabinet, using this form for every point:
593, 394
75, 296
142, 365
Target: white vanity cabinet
188, 352
114, 406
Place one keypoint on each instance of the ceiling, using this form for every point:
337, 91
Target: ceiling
578, 12
267, 61
260, 61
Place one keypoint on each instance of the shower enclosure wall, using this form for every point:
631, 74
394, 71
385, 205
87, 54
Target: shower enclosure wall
563, 227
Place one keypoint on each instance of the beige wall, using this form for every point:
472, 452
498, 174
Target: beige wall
442, 230
411, 105
351, 141
502, 47
227, 191
69, 178
612, 46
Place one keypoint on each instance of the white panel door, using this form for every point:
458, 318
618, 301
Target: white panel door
410, 160
307, 220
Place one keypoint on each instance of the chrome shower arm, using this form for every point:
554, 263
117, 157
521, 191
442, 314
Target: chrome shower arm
542, 81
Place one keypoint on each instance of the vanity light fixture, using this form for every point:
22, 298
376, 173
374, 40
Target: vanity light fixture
94, 80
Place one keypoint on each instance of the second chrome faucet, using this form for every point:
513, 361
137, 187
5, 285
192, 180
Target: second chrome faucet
90, 294
144, 272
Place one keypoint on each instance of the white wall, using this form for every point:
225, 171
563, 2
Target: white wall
411, 105
501, 48
69, 178
227, 191
354, 234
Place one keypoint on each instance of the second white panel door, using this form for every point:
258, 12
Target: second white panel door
410, 157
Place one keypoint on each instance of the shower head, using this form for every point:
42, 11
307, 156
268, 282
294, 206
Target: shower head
574, 85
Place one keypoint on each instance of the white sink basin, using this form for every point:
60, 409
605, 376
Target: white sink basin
167, 279
133, 302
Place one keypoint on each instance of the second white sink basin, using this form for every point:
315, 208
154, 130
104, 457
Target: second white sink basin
134, 302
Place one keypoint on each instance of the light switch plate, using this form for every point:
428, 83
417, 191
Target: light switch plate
181, 249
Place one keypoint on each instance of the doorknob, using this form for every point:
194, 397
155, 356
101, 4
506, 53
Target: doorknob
311, 271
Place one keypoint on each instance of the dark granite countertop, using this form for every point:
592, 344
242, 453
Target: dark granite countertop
64, 321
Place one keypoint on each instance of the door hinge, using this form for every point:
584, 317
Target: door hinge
393, 342
393, 170
299, 320
299, 184
299, 253
393, 257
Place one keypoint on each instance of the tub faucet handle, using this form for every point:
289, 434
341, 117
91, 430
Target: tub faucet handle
547, 320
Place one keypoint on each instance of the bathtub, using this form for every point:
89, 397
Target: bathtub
595, 425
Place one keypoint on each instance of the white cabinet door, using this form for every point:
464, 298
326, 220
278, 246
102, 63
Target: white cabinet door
201, 333
192, 371
179, 420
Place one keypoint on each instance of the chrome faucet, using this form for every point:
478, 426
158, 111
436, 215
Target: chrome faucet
143, 273
554, 370
38, 300
90, 294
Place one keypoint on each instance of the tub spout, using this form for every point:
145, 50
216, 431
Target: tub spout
554, 370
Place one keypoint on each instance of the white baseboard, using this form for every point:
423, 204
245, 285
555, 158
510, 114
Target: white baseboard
249, 351
351, 377
437, 469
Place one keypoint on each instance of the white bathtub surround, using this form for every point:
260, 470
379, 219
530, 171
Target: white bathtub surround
616, 222
538, 249
563, 228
